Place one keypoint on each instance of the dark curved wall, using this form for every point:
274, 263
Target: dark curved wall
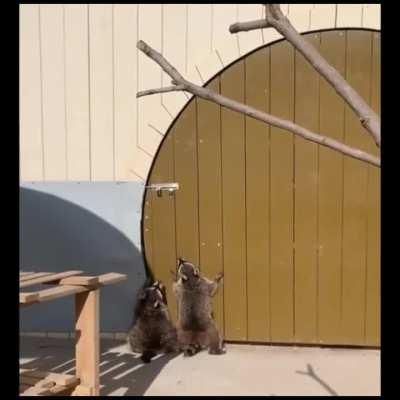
89, 226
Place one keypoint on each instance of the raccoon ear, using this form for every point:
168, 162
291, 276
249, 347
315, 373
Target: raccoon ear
196, 271
156, 304
184, 277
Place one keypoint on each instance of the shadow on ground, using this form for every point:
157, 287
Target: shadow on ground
121, 373
312, 374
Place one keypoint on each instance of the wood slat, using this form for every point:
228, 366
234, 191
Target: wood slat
48, 278
330, 196
76, 280
58, 379
257, 196
210, 195
110, 278
21, 273
28, 297
372, 307
163, 222
186, 198
306, 199
234, 206
358, 70
281, 206
34, 275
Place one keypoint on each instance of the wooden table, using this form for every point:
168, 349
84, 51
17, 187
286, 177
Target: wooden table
86, 290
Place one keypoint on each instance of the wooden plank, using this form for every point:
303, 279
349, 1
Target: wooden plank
77, 91
48, 278
248, 41
148, 229
58, 379
57, 292
210, 195
306, 199
110, 278
174, 50
36, 391
30, 94
53, 86
82, 390
330, 196
87, 347
163, 221
257, 197
28, 277
234, 206
281, 211
76, 280
38, 382
21, 274
358, 69
184, 133
125, 81
373, 304
101, 92
28, 297
150, 113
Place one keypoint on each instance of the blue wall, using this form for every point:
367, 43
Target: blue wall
94, 227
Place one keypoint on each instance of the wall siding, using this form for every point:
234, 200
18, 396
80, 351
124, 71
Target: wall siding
79, 118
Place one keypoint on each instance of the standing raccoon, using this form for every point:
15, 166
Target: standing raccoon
152, 332
196, 327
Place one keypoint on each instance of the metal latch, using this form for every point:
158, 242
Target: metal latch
160, 187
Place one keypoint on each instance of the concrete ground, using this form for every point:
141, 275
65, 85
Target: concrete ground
243, 370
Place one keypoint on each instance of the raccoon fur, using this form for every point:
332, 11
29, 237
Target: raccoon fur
196, 327
152, 332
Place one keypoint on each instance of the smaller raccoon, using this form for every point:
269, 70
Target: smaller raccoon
152, 332
196, 327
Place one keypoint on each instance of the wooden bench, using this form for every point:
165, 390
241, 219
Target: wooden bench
86, 290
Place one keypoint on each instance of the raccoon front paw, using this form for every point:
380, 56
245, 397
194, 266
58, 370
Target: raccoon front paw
216, 351
147, 356
189, 352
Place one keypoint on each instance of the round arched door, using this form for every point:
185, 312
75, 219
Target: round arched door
295, 227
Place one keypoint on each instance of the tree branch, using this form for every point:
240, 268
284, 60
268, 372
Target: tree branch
233, 105
174, 88
275, 18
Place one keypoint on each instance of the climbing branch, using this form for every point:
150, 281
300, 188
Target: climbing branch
275, 18
179, 81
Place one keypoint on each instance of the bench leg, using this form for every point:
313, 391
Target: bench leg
87, 346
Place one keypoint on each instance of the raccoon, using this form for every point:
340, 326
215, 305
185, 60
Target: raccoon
196, 327
152, 332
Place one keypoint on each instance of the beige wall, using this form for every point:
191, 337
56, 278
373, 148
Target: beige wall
80, 71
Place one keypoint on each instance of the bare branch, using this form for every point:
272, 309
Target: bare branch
233, 105
175, 88
275, 18
248, 26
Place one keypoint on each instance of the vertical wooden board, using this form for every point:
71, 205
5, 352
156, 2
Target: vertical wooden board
281, 192
330, 196
125, 88
53, 86
223, 41
184, 134
234, 206
148, 230
257, 196
306, 198
163, 222
152, 118
210, 194
358, 69
199, 34
77, 91
101, 91
249, 40
372, 317
30, 95
348, 15
174, 19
